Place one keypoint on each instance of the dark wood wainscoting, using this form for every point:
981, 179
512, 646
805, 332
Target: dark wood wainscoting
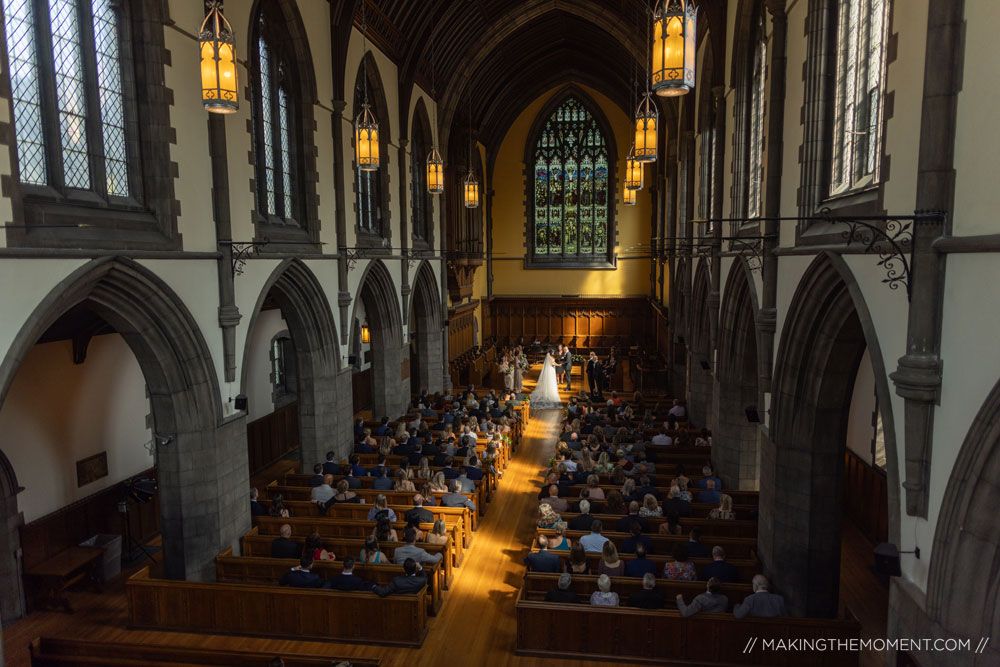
272, 436
361, 384
461, 330
583, 323
866, 497
97, 513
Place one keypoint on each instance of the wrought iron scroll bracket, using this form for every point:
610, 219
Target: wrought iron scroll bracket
892, 241
241, 251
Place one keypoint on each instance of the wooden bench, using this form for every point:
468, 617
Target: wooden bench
698, 510
709, 527
260, 570
255, 544
303, 526
747, 568
590, 632
275, 611
537, 584
50, 652
47, 581
480, 497
462, 516
736, 547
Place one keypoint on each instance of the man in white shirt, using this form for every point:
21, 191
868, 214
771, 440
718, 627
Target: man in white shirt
678, 410
662, 438
324, 491
594, 542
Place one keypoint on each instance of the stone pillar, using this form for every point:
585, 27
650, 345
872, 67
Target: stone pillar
12, 604
343, 294
229, 314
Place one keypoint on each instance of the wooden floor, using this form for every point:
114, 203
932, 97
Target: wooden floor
476, 625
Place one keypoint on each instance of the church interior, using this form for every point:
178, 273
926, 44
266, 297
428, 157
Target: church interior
524, 331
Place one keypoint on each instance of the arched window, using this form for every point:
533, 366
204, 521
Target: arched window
570, 210
421, 207
857, 117
371, 185
73, 103
755, 171
275, 95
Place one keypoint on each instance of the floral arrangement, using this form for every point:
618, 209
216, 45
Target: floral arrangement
578, 359
522, 362
506, 368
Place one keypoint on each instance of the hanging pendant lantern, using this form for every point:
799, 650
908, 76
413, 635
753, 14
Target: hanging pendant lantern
633, 171
366, 333
646, 117
218, 63
471, 189
366, 140
674, 40
435, 172
629, 198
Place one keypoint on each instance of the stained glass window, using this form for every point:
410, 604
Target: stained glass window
273, 112
369, 183
571, 186
419, 198
861, 26
87, 95
755, 186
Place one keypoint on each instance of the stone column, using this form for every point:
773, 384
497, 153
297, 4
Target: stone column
229, 314
343, 293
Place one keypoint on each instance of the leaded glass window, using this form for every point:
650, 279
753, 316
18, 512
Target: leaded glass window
273, 123
68, 94
570, 202
755, 185
707, 175
369, 183
419, 197
861, 26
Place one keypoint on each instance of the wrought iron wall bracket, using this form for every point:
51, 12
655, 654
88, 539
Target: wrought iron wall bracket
353, 255
241, 251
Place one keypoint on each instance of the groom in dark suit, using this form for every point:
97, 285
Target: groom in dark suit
594, 374
567, 364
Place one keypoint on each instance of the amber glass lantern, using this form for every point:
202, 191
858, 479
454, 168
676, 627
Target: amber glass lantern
633, 171
218, 63
646, 117
471, 189
366, 140
629, 198
435, 172
675, 33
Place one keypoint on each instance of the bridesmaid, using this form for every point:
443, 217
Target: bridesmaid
507, 368
520, 363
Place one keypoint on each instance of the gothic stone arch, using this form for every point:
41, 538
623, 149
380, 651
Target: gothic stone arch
425, 331
390, 394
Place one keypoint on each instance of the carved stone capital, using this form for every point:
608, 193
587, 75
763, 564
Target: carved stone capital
918, 378
229, 316
343, 298
767, 320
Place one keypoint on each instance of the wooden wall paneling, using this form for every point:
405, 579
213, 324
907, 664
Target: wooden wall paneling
361, 386
272, 436
866, 497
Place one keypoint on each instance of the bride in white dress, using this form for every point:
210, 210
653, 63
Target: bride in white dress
546, 393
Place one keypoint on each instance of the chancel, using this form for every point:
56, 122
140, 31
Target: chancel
514, 332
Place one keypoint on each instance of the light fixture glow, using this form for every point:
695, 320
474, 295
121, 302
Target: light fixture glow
674, 39
218, 63
633, 171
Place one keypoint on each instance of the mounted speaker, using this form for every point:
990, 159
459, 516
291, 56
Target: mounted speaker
240, 402
887, 560
752, 415
705, 365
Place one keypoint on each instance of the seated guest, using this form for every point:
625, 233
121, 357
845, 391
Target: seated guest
409, 551
672, 526
674, 504
603, 596
594, 542
648, 597
584, 495
413, 580
726, 573
383, 428
678, 410
474, 470
695, 547
381, 508
301, 577
704, 440
363, 446
403, 483
467, 485
256, 509
317, 477
456, 498
555, 502
724, 510
428, 495
343, 495
547, 518
370, 553
324, 491
359, 429
650, 507
712, 600
383, 531
418, 511
356, 469
662, 438
331, 467
379, 467
284, 546
578, 563
438, 482
314, 547
347, 580
382, 481
560, 542
706, 474
625, 523
709, 495
680, 567
278, 508
438, 534
584, 520
610, 564
449, 472
640, 565
645, 488
543, 560
562, 593
594, 491
636, 538
761, 603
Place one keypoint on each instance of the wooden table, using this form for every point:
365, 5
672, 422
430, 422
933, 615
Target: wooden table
49, 579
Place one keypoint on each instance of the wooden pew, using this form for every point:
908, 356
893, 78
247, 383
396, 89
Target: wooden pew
736, 547
698, 510
327, 527
748, 568
537, 584
745, 500
51, 652
266, 570
275, 611
657, 637
461, 516
301, 493
255, 544
709, 527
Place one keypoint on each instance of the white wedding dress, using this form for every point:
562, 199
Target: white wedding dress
546, 393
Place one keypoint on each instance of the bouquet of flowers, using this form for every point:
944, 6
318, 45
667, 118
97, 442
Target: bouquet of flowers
578, 359
506, 368
522, 362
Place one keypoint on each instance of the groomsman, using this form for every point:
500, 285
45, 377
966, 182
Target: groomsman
594, 374
568, 366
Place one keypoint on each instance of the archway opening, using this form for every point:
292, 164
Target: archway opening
382, 373
426, 353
